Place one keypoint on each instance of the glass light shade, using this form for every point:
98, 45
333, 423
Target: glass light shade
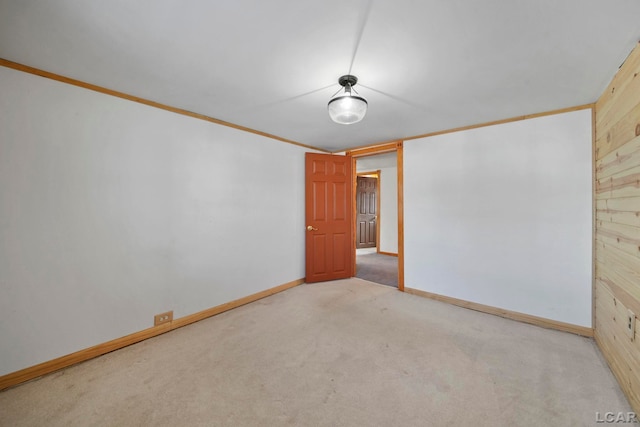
347, 109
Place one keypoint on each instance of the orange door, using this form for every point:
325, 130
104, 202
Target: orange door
328, 202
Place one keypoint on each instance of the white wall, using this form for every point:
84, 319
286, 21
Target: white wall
389, 210
112, 211
501, 216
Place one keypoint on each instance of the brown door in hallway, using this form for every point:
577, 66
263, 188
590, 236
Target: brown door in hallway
328, 212
366, 203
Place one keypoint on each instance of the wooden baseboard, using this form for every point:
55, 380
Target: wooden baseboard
387, 253
23, 375
513, 315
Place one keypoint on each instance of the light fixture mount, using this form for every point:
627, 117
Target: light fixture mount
348, 79
347, 108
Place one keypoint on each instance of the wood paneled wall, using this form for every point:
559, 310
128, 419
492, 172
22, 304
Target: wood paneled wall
617, 246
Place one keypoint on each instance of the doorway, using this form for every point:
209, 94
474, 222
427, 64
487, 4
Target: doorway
377, 217
321, 254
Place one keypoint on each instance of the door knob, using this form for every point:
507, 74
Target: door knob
311, 228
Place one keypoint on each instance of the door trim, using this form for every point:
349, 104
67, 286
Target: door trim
379, 149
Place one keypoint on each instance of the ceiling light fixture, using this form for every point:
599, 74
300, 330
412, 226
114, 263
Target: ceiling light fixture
347, 108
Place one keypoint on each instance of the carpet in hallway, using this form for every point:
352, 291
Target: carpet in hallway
377, 268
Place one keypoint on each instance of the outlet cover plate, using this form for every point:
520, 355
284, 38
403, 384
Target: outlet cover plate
631, 324
162, 318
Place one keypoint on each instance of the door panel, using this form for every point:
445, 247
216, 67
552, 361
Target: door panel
319, 210
328, 203
319, 255
340, 212
341, 249
367, 203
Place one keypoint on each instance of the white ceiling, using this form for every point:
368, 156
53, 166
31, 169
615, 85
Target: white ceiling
423, 65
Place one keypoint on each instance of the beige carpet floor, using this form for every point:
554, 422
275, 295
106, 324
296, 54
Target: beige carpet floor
344, 353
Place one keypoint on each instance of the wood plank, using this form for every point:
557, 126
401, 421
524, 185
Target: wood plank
621, 363
617, 245
624, 157
619, 350
50, 366
614, 316
614, 326
625, 72
621, 132
513, 315
620, 293
618, 274
625, 266
607, 339
617, 366
621, 280
614, 270
620, 211
612, 241
619, 98
623, 237
623, 184
628, 383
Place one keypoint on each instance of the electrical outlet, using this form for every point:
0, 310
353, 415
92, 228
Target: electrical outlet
631, 324
162, 318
